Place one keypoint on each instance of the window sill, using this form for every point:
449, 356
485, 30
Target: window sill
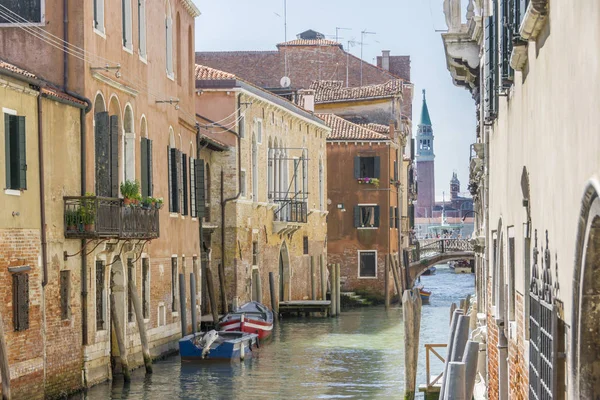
12, 192
174, 313
173, 215
367, 277
144, 59
194, 219
128, 50
367, 227
171, 76
100, 33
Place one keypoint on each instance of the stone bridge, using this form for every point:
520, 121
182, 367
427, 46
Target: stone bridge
430, 252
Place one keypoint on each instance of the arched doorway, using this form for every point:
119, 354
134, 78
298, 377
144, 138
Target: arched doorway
585, 362
118, 289
284, 273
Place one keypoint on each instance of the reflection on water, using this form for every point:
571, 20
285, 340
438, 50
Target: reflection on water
359, 355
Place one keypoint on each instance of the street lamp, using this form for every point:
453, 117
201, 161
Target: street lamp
470, 211
362, 40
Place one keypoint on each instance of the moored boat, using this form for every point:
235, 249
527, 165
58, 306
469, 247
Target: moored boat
425, 294
217, 346
430, 271
252, 317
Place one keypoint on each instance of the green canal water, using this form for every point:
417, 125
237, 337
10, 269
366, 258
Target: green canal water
357, 356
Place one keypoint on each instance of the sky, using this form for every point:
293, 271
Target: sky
406, 27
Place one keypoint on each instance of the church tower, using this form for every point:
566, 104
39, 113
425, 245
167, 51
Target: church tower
454, 187
425, 165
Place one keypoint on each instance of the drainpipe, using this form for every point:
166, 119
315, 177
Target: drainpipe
42, 192
225, 201
83, 163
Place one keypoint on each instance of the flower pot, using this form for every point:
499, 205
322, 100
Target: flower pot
127, 201
88, 227
71, 227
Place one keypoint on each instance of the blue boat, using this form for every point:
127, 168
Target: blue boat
217, 346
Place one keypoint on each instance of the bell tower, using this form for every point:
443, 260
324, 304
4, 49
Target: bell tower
454, 186
425, 164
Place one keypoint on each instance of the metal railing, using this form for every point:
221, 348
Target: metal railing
105, 217
431, 247
430, 348
291, 211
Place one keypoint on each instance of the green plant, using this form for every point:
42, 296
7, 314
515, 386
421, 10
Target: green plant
130, 189
87, 210
71, 217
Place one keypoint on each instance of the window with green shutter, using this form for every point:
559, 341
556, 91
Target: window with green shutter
490, 69
146, 164
15, 147
506, 42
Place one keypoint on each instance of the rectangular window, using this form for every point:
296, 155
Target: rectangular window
15, 152
169, 43
193, 210
392, 219
305, 245
146, 164
243, 183
174, 277
130, 278
199, 189
395, 171
242, 127
21, 11
173, 172
65, 294
126, 24
367, 167
142, 28
146, 287
254, 253
366, 216
259, 132
99, 15
397, 218
21, 301
367, 264
100, 306
184, 170
511, 277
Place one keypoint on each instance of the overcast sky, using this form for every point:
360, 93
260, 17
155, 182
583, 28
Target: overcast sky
406, 27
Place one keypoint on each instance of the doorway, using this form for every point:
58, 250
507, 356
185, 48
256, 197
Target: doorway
284, 273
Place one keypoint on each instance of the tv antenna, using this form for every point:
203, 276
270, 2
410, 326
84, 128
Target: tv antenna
337, 29
362, 41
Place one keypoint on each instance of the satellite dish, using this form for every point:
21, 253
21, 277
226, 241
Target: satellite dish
285, 82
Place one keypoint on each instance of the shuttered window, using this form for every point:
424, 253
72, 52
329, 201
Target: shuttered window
367, 167
15, 152
65, 294
507, 73
146, 287
366, 216
184, 170
173, 157
100, 305
491, 67
368, 264
174, 276
21, 302
21, 11
98, 15
142, 28
392, 220
192, 169
146, 167
199, 188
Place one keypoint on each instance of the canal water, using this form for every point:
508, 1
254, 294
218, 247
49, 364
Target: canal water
357, 356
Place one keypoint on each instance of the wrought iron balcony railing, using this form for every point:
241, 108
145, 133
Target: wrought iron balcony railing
89, 217
291, 211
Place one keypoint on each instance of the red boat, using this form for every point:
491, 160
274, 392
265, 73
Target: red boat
252, 317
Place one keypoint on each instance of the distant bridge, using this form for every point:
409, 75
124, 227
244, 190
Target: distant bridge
430, 252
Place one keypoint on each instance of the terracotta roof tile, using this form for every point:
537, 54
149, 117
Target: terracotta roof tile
379, 128
310, 42
15, 69
207, 73
332, 91
342, 129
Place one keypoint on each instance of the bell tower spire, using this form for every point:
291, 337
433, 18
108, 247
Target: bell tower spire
425, 164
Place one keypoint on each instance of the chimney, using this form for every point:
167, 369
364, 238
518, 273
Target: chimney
385, 59
307, 99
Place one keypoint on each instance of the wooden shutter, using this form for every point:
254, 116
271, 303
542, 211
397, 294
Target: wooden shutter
357, 167
200, 195
114, 156
507, 72
396, 170
192, 169
21, 302
356, 216
391, 217
170, 177
150, 166
22, 153
397, 217
490, 48
377, 167
184, 171
411, 216
174, 180
376, 216
102, 152
144, 166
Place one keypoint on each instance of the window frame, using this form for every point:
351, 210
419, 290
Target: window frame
21, 183
30, 24
174, 284
359, 264
98, 23
127, 25
258, 128
376, 221
20, 323
142, 31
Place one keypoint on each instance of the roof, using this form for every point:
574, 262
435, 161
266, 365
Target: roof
425, 119
221, 79
333, 91
207, 73
398, 65
379, 128
45, 89
191, 8
310, 42
342, 129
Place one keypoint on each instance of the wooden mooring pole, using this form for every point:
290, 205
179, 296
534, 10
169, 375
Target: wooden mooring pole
332, 294
139, 317
396, 278
313, 278
222, 289
323, 277
274, 305
386, 283
182, 305
193, 306
4, 366
211, 297
338, 300
411, 314
120, 339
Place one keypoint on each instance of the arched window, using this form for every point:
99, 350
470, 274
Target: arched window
321, 186
178, 50
129, 144
146, 160
254, 170
169, 39
270, 164
173, 173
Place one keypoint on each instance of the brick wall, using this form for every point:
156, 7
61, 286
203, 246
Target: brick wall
518, 368
492, 348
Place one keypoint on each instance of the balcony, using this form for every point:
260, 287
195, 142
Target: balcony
289, 216
92, 217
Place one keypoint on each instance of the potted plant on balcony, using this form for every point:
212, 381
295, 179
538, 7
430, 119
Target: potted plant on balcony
71, 217
87, 212
370, 181
147, 203
131, 192
158, 203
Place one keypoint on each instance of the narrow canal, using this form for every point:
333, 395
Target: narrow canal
357, 356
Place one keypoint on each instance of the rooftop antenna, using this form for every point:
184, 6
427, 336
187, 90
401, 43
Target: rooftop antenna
285, 37
362, 40
350, 43
337, 29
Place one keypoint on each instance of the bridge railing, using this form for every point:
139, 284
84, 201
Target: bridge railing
431, 247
